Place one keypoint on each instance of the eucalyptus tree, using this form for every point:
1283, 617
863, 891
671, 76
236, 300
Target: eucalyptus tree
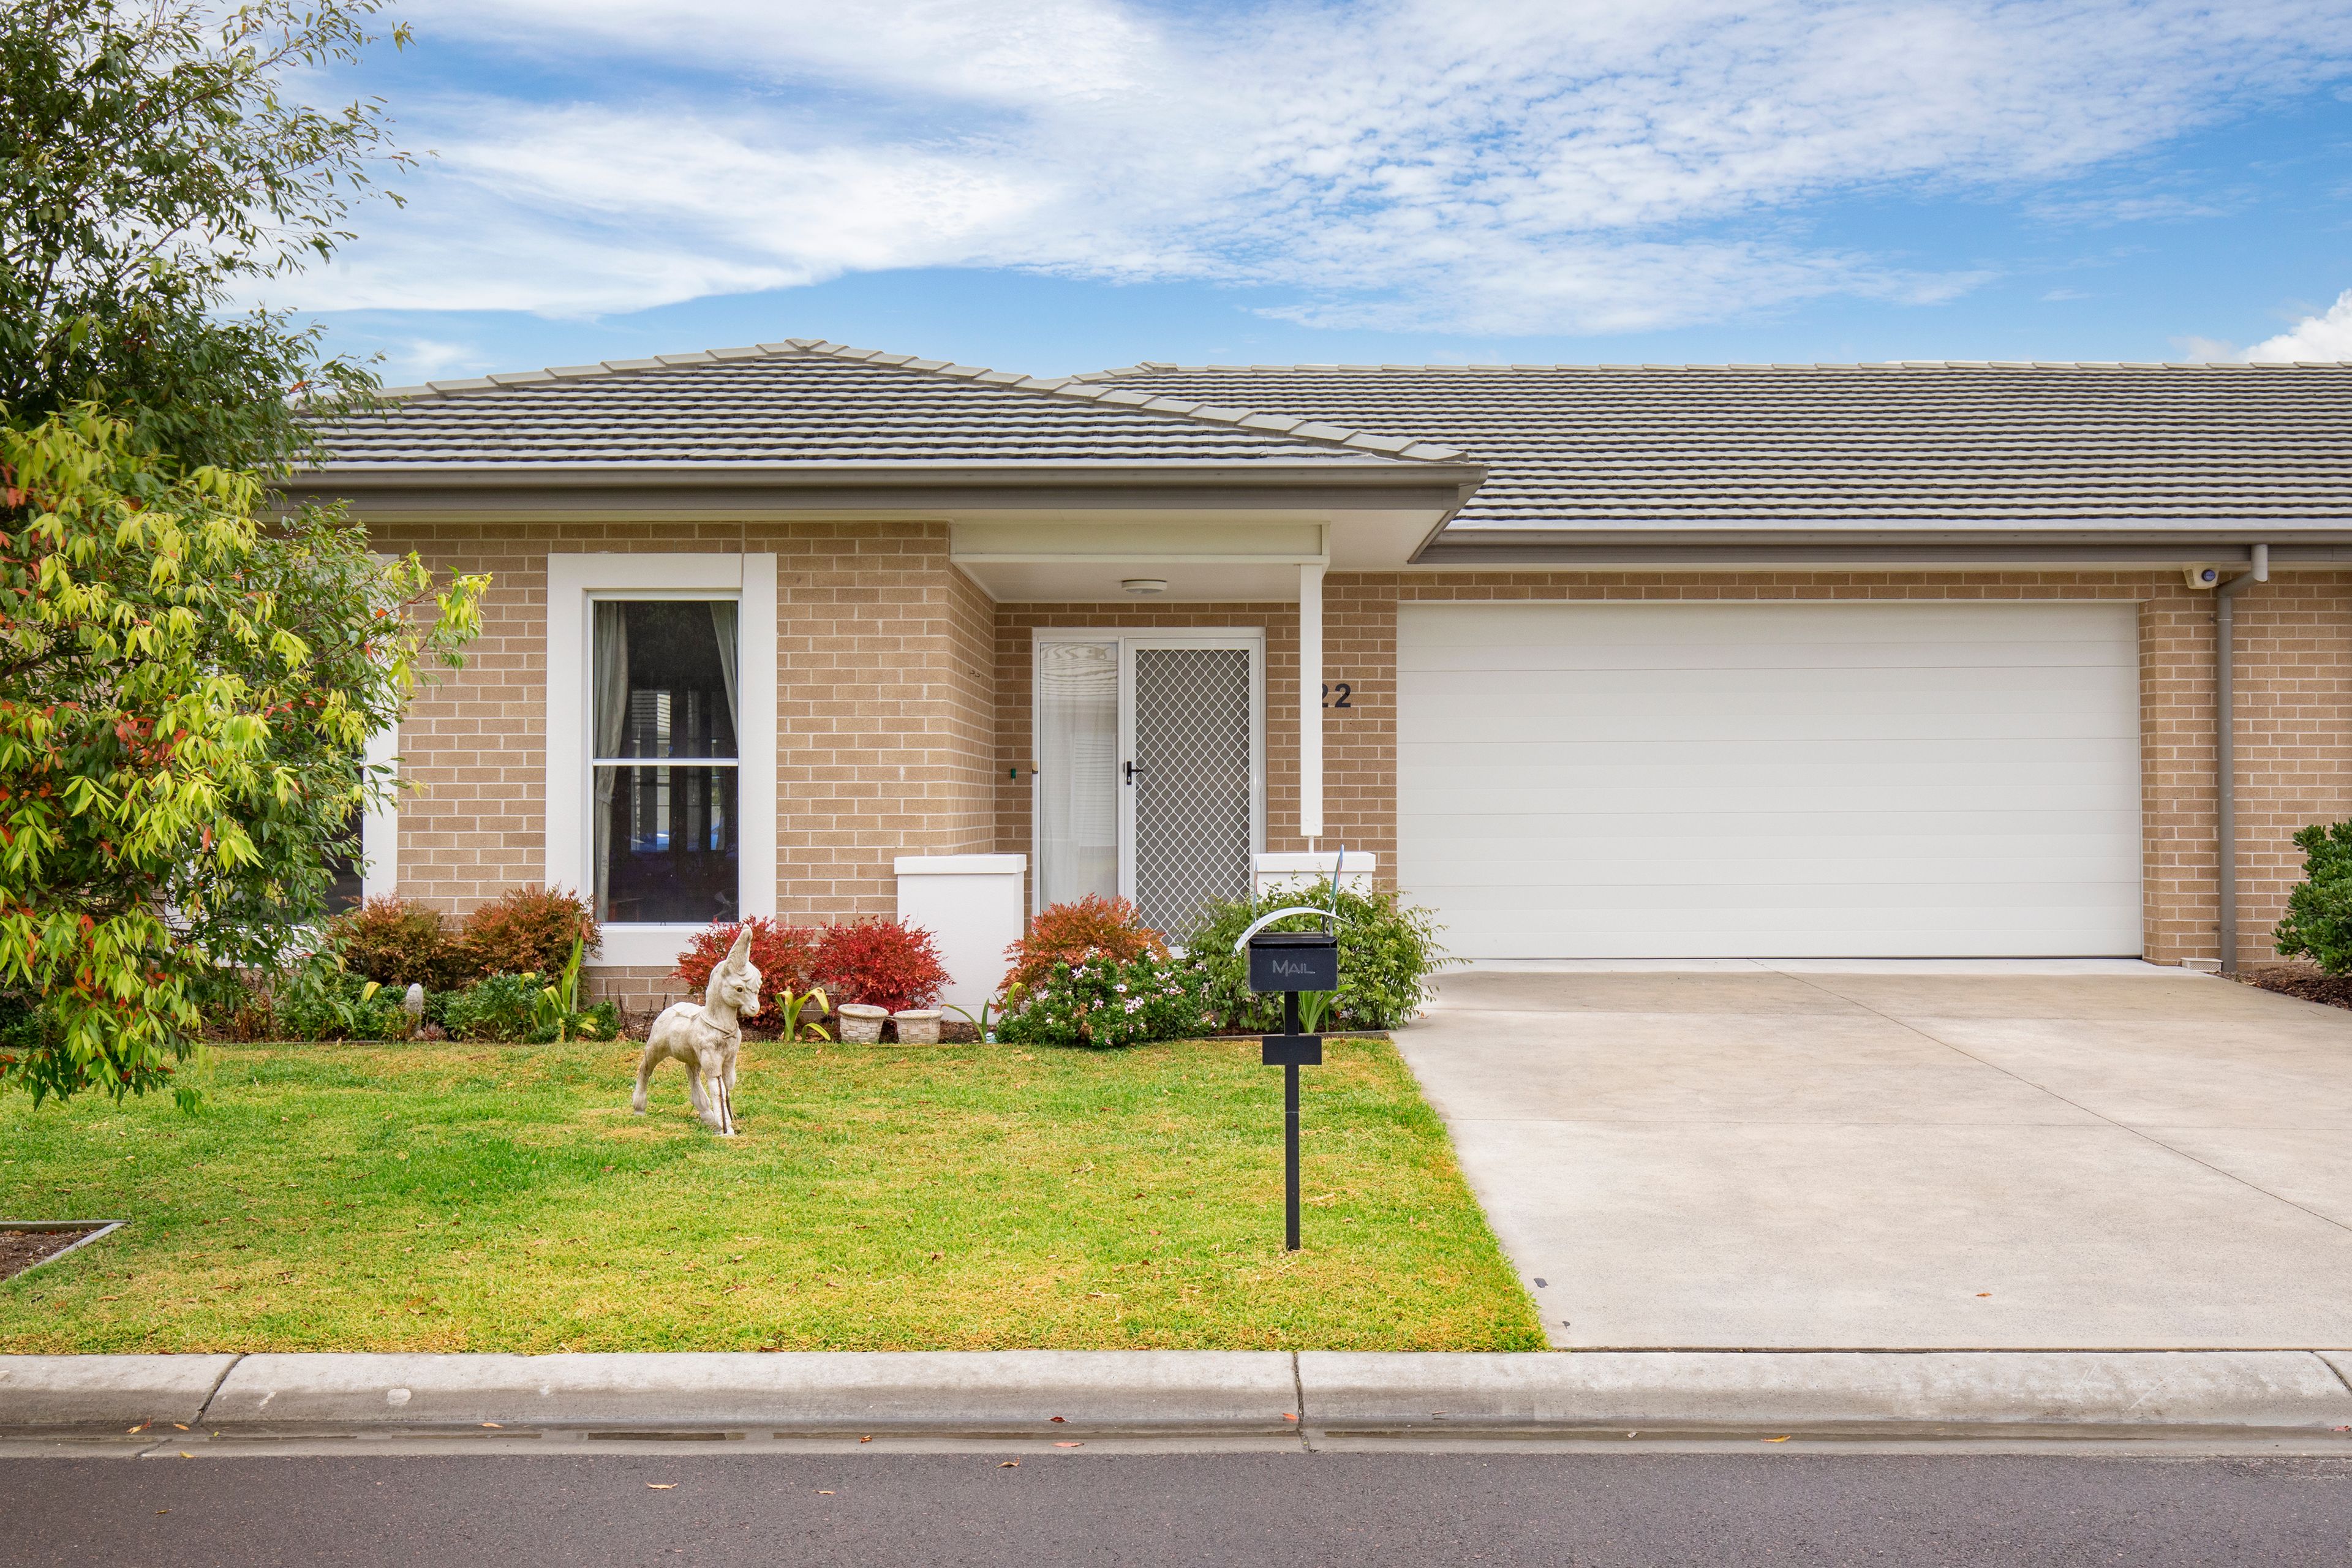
189, 673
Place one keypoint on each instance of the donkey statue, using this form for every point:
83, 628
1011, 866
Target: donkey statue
706, 1038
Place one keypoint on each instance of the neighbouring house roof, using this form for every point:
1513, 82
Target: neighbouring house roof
807, 405
1652, 450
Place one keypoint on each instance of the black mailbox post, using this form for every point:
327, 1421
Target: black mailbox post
1290, 962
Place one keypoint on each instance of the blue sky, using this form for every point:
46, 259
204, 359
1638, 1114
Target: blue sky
1055, 185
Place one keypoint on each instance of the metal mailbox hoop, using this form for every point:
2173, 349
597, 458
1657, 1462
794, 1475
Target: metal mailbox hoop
1241, 943
1330, 915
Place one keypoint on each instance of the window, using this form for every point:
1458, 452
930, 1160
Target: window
665, 834
661, 741
346, 868
364, 860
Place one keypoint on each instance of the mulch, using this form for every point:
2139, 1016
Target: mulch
20, 1249
2328, 990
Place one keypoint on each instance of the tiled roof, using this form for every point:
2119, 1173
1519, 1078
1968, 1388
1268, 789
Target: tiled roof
1634, 448
818, 406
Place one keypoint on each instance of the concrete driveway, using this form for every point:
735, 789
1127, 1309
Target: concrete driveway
1801, 1157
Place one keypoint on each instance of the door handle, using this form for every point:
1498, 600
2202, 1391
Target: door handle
1131, 774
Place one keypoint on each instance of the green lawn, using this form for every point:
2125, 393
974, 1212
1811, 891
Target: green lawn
451, 1197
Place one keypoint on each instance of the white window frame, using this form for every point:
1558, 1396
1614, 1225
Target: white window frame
573, 583
1126, 639
379, 824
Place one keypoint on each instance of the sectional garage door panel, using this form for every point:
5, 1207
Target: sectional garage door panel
1832, 780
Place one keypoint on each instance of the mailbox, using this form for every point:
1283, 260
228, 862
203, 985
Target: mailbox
1294, 960
1288, 962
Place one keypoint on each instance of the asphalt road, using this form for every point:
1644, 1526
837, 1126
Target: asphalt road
1360, 1511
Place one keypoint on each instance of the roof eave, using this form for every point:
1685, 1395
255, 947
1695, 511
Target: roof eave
385, 476
1376, 484
2220, 541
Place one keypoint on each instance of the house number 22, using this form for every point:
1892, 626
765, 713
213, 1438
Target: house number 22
1345, 691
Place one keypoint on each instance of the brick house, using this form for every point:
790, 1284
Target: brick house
1599, 662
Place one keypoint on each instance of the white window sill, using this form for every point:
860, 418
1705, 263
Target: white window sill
642, 946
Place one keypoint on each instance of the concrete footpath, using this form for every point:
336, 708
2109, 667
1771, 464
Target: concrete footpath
174, 1405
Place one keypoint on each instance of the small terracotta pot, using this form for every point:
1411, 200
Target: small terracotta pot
861, 1023
919, 1026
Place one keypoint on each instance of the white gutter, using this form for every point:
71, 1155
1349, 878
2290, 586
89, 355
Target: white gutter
2225, 745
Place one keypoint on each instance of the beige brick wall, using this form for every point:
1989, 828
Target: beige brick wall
2294, 736
884, 723
903, 708
884, 654
638, 988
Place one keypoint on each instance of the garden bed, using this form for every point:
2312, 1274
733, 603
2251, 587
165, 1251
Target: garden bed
2310, 984
29, 1244
468, 1197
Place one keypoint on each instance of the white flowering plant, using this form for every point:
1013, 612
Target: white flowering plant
1103, 1002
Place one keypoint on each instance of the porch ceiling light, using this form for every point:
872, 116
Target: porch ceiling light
1144, 585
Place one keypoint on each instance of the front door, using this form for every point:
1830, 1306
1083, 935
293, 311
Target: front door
1148, 781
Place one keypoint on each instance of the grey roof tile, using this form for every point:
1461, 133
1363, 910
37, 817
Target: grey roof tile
1929, 445
811, 404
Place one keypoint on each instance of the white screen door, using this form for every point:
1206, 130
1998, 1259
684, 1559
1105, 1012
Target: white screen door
1150, 776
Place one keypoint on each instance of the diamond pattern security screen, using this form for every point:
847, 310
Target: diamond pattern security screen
1193, 819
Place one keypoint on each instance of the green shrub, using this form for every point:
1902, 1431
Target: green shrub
517, 1009
25, 1028
241, 1004
2318, 924
1387, 952
401, 942
497, 1007
321, 1000
1103, 1002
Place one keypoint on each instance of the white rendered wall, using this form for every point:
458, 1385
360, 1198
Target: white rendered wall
1301, 872
971, 904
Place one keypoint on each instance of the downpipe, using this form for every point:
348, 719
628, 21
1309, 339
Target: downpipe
2225, 743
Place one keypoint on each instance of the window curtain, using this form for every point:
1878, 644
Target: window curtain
722, 621
611, 731
1077, 770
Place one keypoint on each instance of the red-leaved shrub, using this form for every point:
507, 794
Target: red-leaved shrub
783, 955
529, 931
399, 942
880, 963
1091, 927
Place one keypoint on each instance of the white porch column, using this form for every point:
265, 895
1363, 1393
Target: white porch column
1311, 701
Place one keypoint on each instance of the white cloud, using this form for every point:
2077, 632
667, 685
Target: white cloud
1506, 167
2326, 336
410, 360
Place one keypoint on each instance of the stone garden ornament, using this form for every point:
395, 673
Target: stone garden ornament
706, 1038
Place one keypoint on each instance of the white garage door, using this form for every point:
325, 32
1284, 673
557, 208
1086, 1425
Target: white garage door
1789, 780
